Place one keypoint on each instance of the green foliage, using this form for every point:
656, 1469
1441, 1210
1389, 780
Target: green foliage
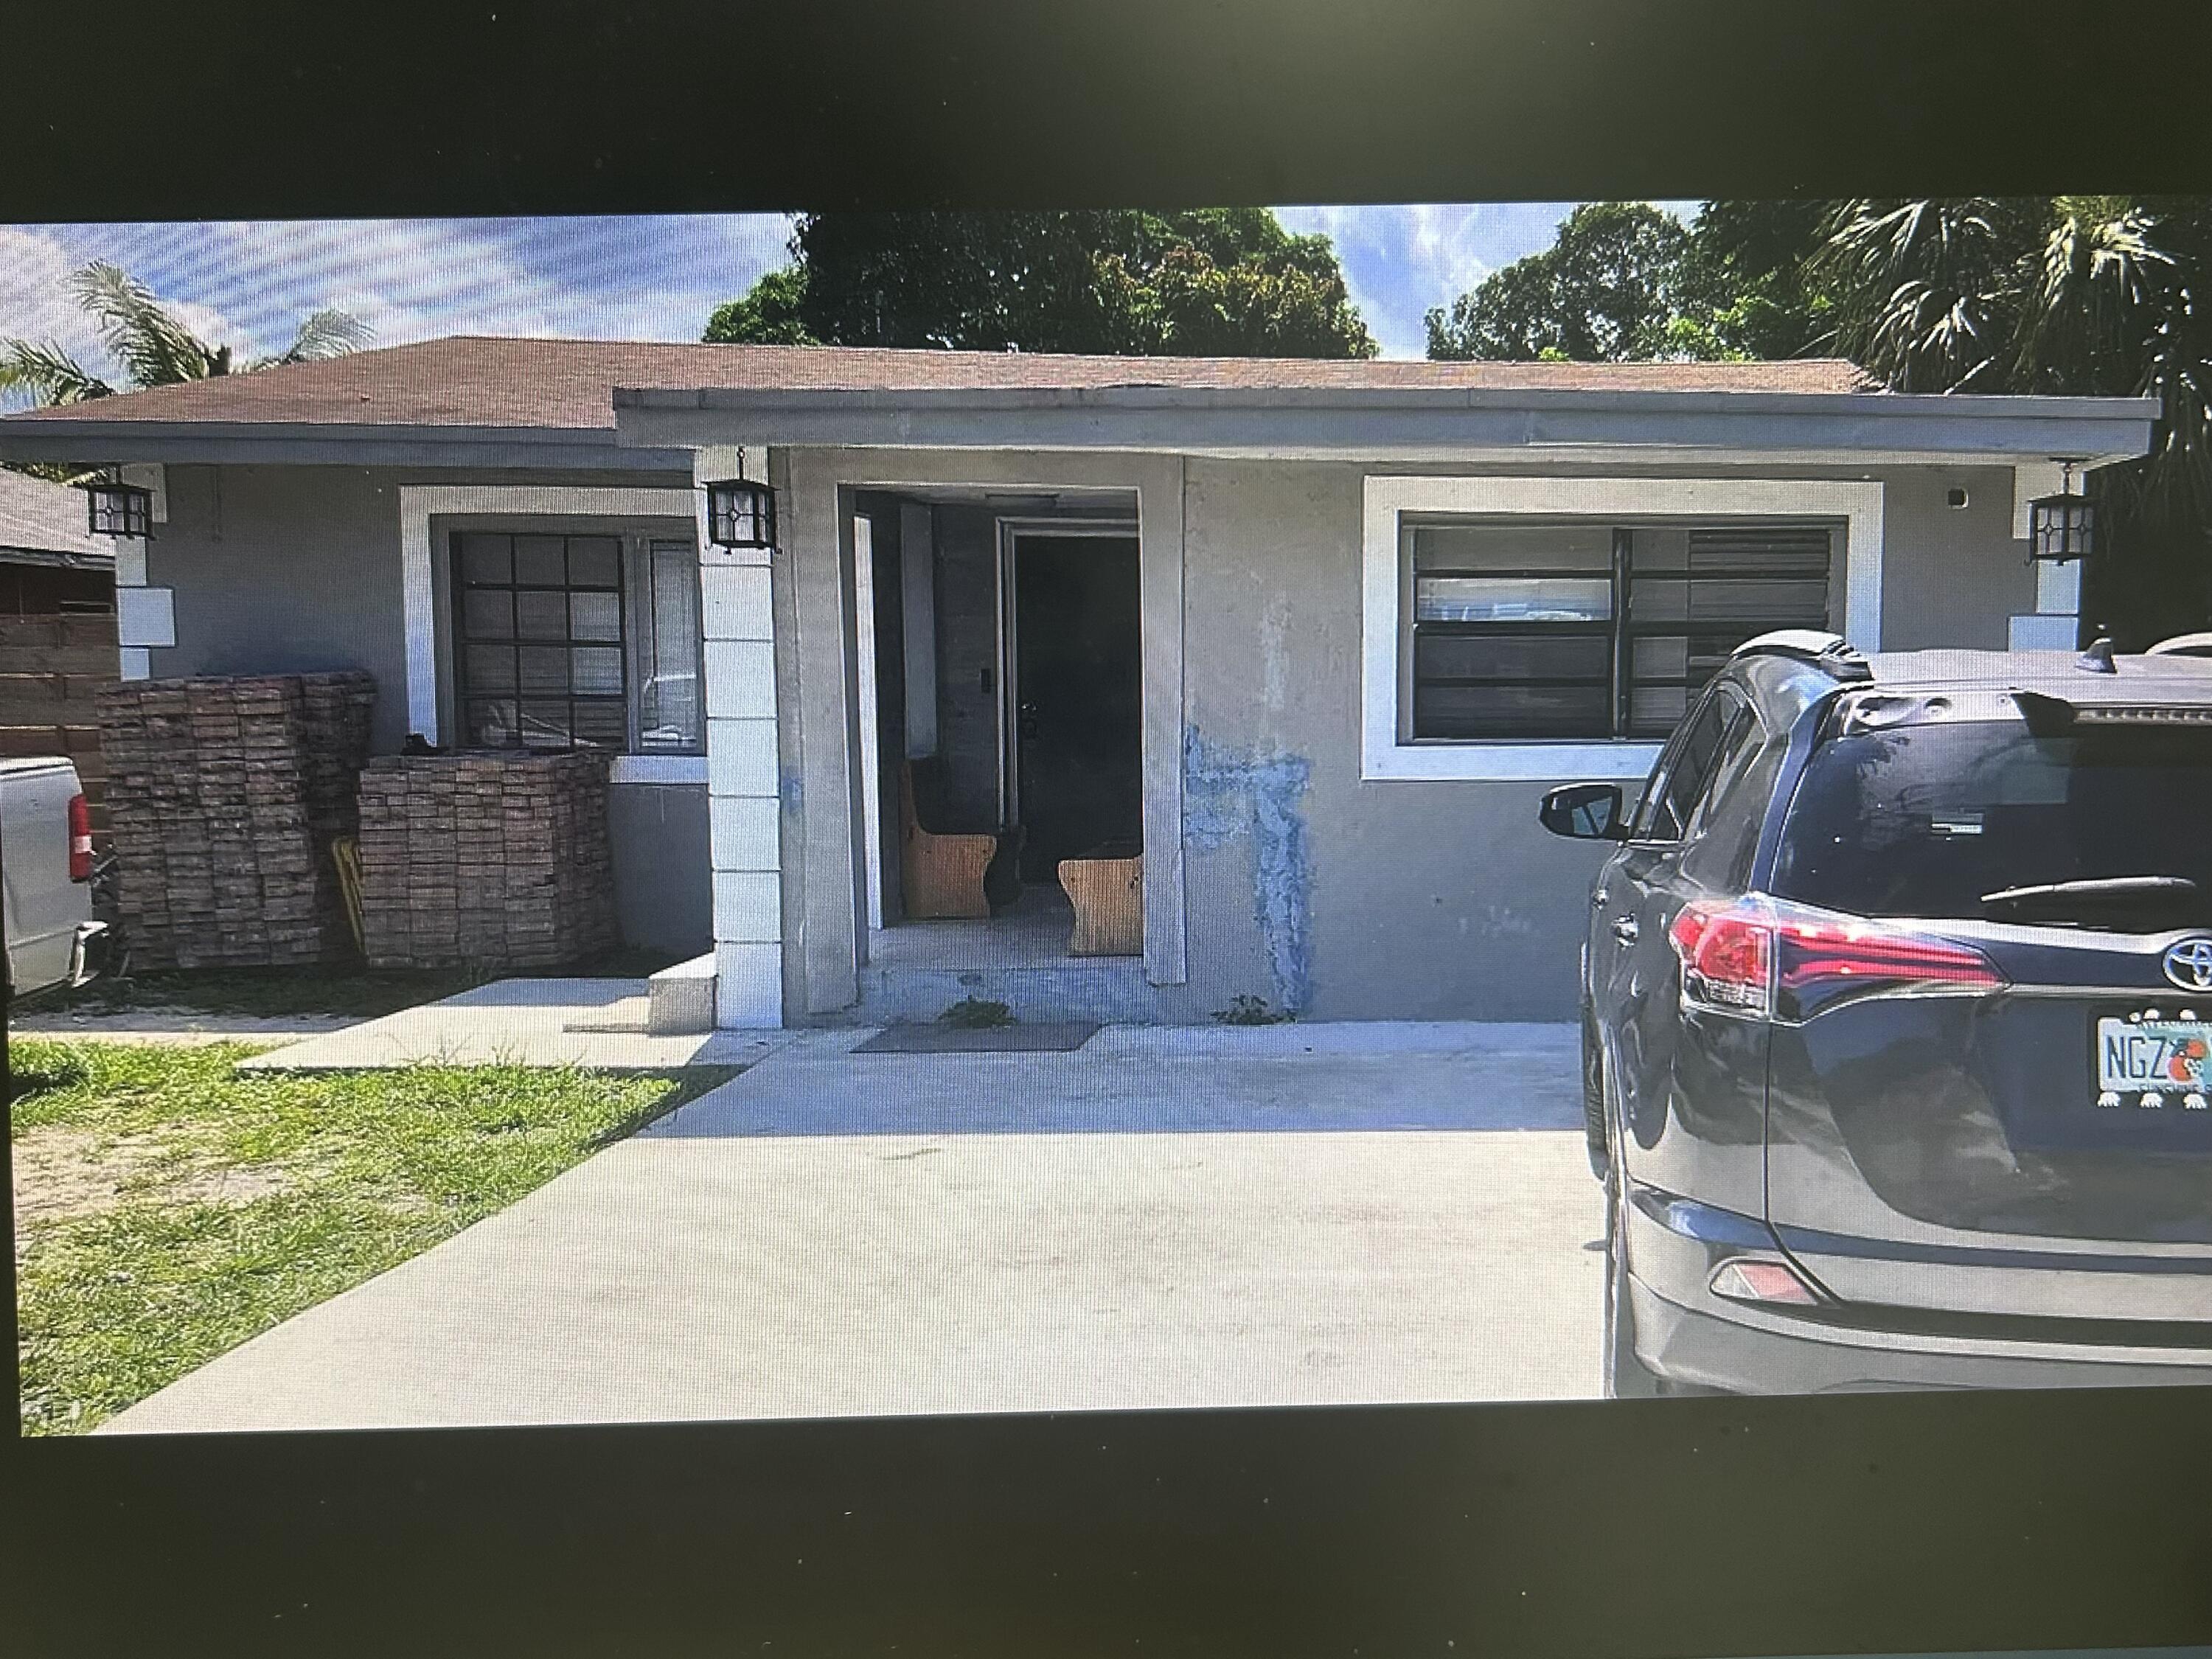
2086, 296
1251, 1010
770, 313
1213, 281
241, 1200
1606, 291
977, 1014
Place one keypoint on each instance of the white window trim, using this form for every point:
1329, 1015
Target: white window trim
658, 768
420, 503
1382, 756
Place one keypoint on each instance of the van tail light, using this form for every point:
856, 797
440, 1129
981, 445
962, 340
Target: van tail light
1757, 957
80, 838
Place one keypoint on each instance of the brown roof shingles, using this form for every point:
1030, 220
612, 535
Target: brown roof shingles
478, 381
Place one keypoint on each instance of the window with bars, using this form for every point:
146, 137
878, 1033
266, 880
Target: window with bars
588, 641
1582, 630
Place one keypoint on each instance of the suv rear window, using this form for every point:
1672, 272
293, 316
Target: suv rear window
1924, 820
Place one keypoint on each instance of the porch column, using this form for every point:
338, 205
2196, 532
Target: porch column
737, 626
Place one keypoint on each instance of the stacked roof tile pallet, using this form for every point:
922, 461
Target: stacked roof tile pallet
484, 860
222, 796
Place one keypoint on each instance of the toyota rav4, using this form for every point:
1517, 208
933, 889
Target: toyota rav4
1897, 1024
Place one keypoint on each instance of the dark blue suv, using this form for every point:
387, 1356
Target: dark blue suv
1897, 1024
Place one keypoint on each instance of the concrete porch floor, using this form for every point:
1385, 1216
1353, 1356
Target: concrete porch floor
521, 1022
1168, 1217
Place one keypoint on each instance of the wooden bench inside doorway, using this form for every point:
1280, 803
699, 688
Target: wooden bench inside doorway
1106, 885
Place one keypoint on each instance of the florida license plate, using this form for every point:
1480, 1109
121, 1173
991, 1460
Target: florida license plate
2155, 1062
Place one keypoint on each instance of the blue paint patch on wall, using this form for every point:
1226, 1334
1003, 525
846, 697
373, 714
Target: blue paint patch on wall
1228, 794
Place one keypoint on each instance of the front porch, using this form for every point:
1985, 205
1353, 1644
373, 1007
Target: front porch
977, 653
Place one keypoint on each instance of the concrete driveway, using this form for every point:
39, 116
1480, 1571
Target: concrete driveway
1302, 1214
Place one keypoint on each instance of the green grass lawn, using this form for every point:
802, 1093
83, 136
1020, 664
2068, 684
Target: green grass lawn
168, 1209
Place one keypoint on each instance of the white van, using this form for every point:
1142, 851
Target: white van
46, 876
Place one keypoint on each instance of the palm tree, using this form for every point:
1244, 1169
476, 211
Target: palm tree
150, 346
2090, 295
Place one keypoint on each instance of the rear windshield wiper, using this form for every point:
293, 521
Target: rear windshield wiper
2118, 892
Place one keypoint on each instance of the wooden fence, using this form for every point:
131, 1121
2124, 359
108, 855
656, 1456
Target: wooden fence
50, 669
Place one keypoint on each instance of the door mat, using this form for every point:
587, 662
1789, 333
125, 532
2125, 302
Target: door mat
1045, 1037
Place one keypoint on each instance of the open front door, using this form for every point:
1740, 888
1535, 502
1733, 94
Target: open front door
1077, 771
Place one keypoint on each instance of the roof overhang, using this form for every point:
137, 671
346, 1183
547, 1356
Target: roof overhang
657, 427
320, 443
49, 559
1400, 423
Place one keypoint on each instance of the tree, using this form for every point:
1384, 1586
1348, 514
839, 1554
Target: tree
2083, 294
151, 346
1608, 289
770, 313
1223, 281
1743, 290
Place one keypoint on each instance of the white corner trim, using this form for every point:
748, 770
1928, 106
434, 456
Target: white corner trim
1502, 762
420, 503
658, 768
1388, 498
145, 616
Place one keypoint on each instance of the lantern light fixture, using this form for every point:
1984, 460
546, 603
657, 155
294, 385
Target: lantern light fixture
741, 514
2061, 527
113, 507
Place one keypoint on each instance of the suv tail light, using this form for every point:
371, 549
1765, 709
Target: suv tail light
1787, 962
80, 839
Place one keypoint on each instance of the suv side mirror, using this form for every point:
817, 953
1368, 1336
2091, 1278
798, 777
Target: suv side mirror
1584, 811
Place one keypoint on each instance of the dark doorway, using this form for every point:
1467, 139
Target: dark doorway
1077, 695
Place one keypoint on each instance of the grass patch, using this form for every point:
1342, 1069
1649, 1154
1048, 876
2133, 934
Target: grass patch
168, 1208
977, 1014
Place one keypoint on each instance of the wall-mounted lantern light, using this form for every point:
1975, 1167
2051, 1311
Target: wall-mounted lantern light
113, 507
2063, 527
741, 513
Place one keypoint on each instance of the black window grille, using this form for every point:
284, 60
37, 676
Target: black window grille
540, 624
1584, 631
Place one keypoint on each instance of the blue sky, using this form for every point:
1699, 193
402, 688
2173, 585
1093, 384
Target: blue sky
248, 284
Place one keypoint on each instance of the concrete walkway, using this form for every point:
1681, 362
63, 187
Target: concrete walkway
522, 1022
1164, 1218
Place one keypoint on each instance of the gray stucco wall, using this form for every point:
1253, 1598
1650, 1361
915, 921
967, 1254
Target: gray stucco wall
1951, 576
287, 569
1302, 883
1425, 900
663, 882
1421, 900
283, 569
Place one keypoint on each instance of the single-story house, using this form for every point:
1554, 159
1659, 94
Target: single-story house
51, 563
1306, 641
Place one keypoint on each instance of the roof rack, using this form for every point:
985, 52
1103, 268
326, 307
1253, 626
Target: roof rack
1831, 652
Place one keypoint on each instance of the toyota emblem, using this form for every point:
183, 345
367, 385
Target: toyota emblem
2189, 964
